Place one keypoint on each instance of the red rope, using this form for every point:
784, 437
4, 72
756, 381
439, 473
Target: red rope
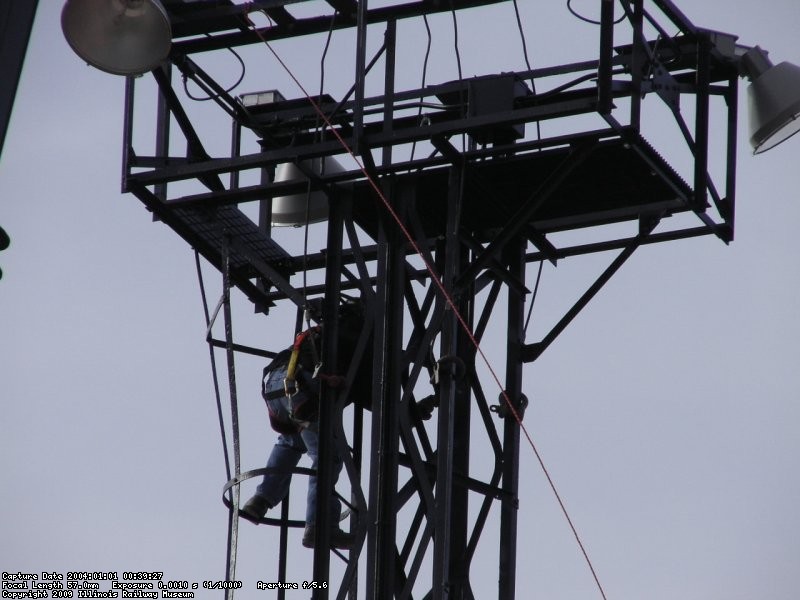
448, 299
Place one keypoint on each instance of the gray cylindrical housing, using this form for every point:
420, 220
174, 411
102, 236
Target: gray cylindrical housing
774, 106
301, 209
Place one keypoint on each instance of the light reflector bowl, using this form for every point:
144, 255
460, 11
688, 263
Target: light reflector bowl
774, 106
123, 37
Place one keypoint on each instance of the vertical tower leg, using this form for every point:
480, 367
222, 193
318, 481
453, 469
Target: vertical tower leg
515, 259
451, 411
324, 522
387, 379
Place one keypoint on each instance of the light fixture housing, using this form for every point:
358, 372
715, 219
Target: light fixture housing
304, 208
5, 242
123, 37
297, 210
773, 100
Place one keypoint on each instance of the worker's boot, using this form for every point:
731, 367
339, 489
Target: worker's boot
255, 508
338, 538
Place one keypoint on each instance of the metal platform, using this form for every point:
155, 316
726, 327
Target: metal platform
592, 182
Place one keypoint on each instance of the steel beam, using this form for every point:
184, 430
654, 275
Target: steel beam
16, 23
387, 386
327, 414
514, 255
227, 18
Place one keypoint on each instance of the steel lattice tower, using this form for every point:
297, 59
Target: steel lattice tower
481, 208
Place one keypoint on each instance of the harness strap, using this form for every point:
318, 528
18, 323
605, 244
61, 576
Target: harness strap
290, 383
274, 395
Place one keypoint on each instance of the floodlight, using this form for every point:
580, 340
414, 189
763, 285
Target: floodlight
301, 209
266, 98
5, 241
123, 37
774, 99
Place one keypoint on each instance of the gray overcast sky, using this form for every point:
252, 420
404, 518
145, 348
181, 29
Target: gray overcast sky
668, 413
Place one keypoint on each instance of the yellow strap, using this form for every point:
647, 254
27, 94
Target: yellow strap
290, 370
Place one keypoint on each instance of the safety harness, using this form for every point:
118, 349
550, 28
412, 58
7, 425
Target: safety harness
290, 382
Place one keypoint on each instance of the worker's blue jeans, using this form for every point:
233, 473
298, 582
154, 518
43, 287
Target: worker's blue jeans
284, 457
